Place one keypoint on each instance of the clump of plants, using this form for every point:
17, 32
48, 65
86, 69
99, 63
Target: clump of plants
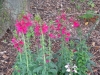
72, 58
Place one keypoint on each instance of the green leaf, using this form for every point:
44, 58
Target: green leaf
53, 71
78, 6
91, 3
51, 22
89, 14
52, 65
30, 72
44, 72
89, 67
28, 35
38, 69
37, 17
92, 63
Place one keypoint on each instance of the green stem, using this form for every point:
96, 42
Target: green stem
62, 46
25, 52
43, 47
20, 57
49, 48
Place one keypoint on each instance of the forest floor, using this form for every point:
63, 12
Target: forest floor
48, 10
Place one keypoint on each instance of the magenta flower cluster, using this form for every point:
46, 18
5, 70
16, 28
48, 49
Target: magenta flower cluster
57, 30
23, 25
18, 44
40, 29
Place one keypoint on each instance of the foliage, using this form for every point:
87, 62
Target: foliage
72, 57
89, 14
82, 58
91, 3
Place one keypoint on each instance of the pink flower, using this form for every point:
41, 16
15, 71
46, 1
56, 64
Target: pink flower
37, 30
68, 34
74, 50
71, 19
64, 30
67, 39
23, 25
51, 35
21, 42
27, 16
52, 27
47, 61
57, 21
29, 23
58, 35
44, 28
17, 44
58, 26
63, 16
76, 24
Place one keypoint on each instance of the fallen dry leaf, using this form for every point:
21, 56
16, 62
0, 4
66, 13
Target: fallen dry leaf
5, 56
93, 44
96, 47
86, 23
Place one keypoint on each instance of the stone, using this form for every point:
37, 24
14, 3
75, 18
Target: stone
9, 13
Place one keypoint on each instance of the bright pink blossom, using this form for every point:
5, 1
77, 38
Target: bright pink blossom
40, 29
63, 16
58, 35
58, 26
23, 25
71, 19
68, 34
17, 44
57, 21
37, 30
64, 30
52, 36
44, 28
59, 30
27, 16
29, 23
67, 39
52, 27
76, 24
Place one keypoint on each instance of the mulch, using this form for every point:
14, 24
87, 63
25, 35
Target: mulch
48, 10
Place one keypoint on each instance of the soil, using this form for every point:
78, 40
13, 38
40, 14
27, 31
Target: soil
48, 10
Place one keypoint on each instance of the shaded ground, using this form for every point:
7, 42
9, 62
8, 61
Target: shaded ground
48, 9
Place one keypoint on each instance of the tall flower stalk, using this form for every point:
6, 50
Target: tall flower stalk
22, 27
25, 49
43, 48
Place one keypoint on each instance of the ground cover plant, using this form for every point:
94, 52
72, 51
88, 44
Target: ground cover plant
72, 58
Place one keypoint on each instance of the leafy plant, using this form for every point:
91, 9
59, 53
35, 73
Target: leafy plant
72, 57
82, 58
91, 3
89, 14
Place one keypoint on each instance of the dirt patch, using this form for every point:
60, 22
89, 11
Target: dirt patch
48, 10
